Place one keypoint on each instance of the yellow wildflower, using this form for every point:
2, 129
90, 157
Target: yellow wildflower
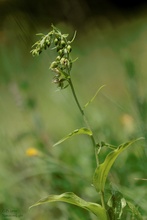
31, 152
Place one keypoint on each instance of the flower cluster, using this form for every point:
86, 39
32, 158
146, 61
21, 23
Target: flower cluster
62, 65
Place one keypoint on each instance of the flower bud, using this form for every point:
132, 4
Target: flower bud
61, 52
65, 51
56, 80
63, 43
36, 52
48, 43
58, 58
53, 65
33, 53
69, 48
57, 72
56, 41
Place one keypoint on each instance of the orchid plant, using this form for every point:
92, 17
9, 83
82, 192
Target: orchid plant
116, 206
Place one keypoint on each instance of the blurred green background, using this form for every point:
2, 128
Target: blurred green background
111, 46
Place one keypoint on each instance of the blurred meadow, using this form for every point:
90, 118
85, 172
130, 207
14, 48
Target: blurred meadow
112, 51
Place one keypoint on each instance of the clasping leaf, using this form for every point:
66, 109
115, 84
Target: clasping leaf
71, 198
103, 169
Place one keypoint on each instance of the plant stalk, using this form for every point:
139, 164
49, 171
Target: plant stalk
85, 119
75, 97
102, 199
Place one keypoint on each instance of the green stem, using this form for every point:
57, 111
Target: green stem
75, 97
102, 199
85, 119
92, 137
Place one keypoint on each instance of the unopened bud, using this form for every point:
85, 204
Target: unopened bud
48, 43
58, 58
53, 65
65, 51
62, 43
69, 48
61, 52
56, 41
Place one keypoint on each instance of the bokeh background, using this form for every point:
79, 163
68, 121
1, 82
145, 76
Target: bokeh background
111, 46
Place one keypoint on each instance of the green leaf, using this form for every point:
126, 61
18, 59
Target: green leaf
116, 205
73, 37
35, 44
134, 210
103, 169
40, 34
56, 29
75, 132
91, 100
71, 198
65, 35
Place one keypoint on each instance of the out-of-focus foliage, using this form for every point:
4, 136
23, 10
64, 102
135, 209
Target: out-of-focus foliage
33, 115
